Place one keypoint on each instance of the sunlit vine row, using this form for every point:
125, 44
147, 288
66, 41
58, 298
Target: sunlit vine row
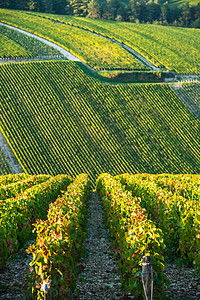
14, 188
12, 178
173, 203
60, 240
18, 214
133, 235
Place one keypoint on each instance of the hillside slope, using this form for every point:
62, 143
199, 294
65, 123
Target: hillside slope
59, 120
170, 47
94, 50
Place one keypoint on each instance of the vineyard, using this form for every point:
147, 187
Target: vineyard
156, 215
19, 212
73, 124
15, 44
22, 197
59, 243
61, 117
180, 3
94, 50
166, 47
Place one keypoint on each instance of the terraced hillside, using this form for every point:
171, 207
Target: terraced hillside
170, 47
16, 44
59, 120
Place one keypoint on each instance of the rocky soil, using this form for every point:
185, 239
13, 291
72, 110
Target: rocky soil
100, 279
13, 277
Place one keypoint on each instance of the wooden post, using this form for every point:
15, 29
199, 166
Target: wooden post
147, 277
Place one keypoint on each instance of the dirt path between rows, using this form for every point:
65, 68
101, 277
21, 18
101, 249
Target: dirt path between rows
10, 156
13, 277
100, 279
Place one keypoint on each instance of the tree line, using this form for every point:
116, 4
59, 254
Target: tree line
137, 11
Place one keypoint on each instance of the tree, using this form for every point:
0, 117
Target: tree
22, 4
32, 5
59, 6
123, 12
134, 13
186, 16
79, 7
141, 11
153, 12
94, 9
165, 13
113, 6
5, 4
197, 11
46, 6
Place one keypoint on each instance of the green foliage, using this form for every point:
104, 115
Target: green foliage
98, 52
12, 189
18, 214
16, 44
79, 7
59, 243
159, 12
73, 124
94, 9
12, 178
170, 47
134, 236
10, 48
173, 204
181, 3
131, 76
